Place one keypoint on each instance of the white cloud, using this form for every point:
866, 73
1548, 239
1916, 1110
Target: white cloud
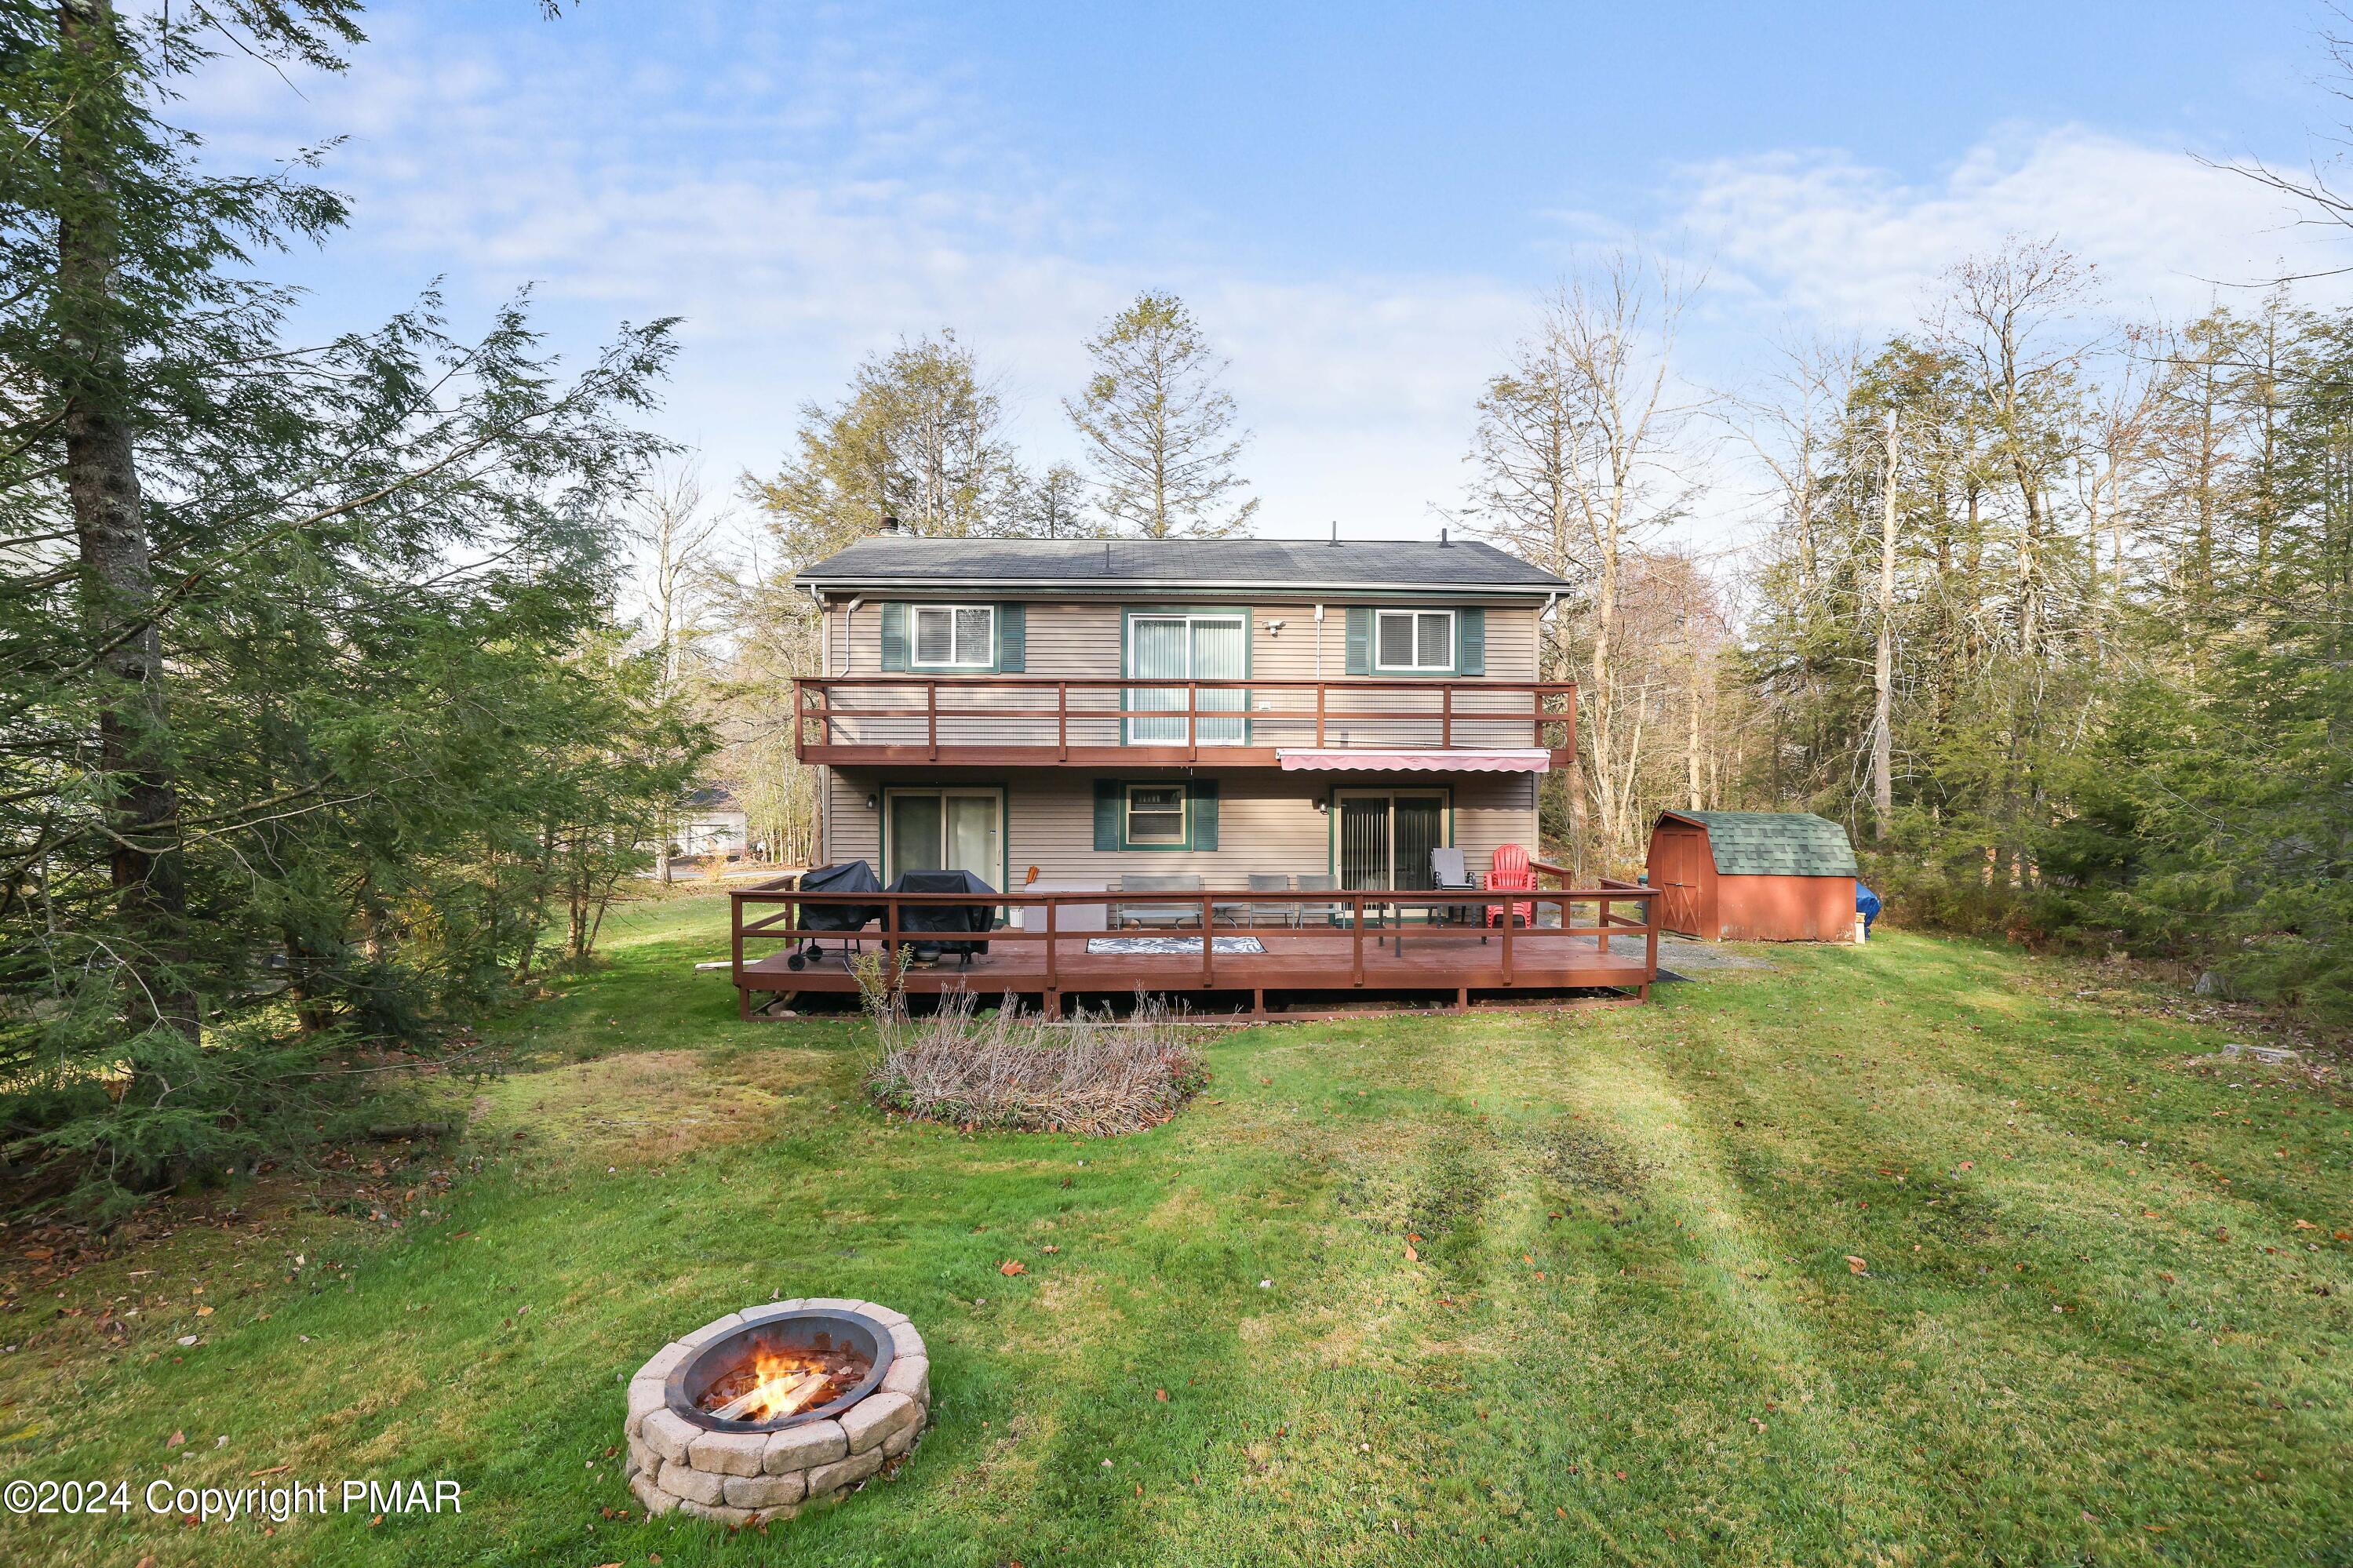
822, 204
806, 200
1830, 236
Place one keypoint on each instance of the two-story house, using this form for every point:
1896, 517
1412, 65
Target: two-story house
1002, 704
1231, 715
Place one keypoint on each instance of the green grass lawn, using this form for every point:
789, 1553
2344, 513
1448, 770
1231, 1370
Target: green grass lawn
2090, 1323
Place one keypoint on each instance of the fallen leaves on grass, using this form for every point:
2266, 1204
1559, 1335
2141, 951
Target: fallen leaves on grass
1010, 1267
1856, 1265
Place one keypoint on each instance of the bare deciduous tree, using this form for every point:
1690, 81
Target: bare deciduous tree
676, 532
1581, 448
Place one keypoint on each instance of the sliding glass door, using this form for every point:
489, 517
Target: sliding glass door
1385, 836
1185, 645
947, 829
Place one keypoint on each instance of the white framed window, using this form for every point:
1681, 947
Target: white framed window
955, 637
1413, 640
1155, 814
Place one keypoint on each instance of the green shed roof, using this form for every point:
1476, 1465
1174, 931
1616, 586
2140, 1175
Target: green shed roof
1775, 842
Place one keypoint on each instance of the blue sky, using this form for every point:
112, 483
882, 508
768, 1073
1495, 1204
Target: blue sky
1360, 201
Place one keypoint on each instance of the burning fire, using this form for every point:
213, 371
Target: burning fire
782, 1383
774, 1382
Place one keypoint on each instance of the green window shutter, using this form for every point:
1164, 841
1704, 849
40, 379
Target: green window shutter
1360, 639
1201, 813
894, 637
1012, 638
1107, 803
1469, 642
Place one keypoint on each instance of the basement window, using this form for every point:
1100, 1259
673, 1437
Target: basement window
1155, 814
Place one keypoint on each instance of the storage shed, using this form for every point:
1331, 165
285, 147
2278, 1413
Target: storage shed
1754, 876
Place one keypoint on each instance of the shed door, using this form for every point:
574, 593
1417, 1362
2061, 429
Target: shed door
1675, 872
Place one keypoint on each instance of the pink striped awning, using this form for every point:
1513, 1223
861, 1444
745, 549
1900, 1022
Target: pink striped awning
1452, 760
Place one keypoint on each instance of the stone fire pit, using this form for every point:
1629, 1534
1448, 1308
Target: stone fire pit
684, 1456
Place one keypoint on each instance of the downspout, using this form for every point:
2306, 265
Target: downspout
848, 624
824, 835
1535, 830
1319, 644
848, 644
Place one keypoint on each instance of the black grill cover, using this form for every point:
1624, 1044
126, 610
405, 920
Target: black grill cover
853, 877
945, 918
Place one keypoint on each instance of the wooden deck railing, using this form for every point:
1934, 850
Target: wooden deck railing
1015, 719
1648, 925
1222, 912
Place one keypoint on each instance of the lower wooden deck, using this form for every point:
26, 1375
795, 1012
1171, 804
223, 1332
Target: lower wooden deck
1447, 963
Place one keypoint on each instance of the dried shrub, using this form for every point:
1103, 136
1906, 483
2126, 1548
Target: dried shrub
1095, 1074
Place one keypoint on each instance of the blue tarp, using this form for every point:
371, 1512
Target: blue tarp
1866, 904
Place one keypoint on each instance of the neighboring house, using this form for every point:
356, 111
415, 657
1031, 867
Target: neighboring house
1754, 876
710, 821
1100, 708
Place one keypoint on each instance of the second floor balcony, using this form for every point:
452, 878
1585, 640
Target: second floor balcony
1109, 721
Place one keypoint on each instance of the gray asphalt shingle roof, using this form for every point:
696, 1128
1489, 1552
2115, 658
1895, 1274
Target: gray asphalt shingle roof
1775, 844
1095, 564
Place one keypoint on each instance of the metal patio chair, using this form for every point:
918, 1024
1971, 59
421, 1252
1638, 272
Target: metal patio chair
1159, 914
1447, 875
1274, 914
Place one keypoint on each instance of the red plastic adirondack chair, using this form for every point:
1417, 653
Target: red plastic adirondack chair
1510, 873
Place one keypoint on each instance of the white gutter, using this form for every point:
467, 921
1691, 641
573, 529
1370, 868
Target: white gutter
1098, 587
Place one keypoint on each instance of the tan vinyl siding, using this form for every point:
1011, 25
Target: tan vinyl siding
1084, 640
1267, 820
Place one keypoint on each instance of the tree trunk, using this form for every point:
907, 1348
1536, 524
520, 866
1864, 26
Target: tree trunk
1692, 744
1883, 741
134, 750
1605, 693
1580, 828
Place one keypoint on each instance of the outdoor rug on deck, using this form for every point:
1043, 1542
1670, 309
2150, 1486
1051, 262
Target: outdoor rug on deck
1168, 946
